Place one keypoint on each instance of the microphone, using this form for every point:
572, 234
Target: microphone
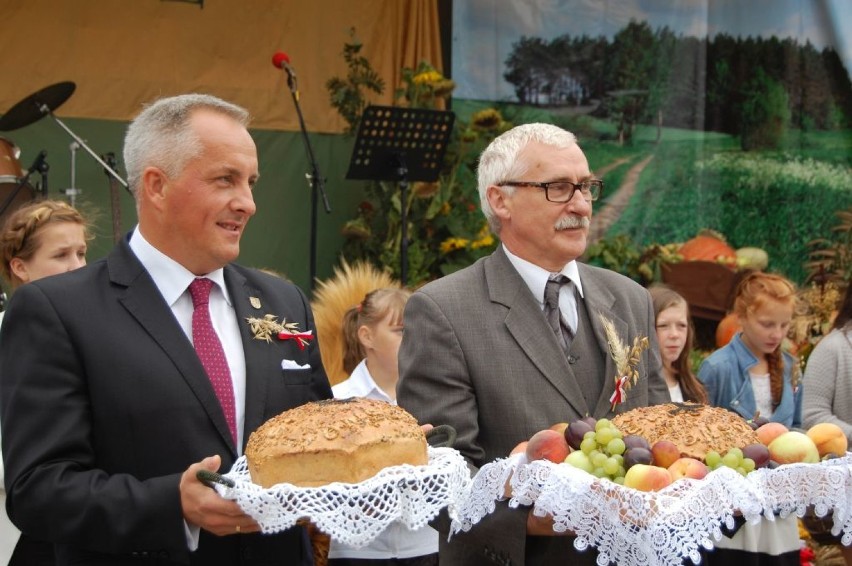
39, 164
282, 61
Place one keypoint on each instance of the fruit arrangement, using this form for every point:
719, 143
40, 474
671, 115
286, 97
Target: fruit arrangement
670, 446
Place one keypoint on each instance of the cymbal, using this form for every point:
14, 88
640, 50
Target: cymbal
36, 106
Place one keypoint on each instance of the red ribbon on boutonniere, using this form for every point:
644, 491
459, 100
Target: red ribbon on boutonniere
620, 393
268, 327
301, 338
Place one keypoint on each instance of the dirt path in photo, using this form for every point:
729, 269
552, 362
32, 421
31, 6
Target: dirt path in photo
615, 205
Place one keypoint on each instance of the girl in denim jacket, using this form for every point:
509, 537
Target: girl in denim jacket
752, 375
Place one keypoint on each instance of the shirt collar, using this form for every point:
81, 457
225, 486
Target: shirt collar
362, 384
170, 277
536, 277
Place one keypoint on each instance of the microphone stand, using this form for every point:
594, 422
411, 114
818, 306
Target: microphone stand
46, 110
39, 165
315, 180
72, 191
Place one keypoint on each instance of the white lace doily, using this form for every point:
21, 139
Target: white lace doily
356, 513
627, 526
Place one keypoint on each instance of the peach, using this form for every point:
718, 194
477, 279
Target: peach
792, 447
829, 438
664, 452
519, 447
559, 427
549, 445
647, 478
769, 432
688, 468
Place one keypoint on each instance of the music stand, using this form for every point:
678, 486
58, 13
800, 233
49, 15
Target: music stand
402, 145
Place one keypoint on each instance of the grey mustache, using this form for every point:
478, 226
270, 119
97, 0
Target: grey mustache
572, 221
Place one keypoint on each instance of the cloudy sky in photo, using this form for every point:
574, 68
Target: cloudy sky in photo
484, 30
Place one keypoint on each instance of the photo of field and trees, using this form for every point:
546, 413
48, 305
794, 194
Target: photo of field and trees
701, 128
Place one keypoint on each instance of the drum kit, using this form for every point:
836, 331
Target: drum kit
15, 186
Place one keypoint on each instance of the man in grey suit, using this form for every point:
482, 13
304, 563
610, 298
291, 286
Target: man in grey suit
121, 380
479, 352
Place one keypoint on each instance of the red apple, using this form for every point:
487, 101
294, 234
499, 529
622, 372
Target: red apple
665, 452
647, 478
688, 468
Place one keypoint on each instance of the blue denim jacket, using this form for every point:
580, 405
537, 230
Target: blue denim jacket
725, 376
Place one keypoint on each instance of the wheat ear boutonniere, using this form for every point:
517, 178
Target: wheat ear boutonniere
626, 360
268, 327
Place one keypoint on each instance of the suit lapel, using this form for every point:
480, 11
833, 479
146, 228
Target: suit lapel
259, 355
529, 328
144, 302
600, 302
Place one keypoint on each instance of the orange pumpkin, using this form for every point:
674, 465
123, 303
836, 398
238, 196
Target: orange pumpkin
727, 328
708, 247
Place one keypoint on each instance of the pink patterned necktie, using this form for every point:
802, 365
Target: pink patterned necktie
210, 351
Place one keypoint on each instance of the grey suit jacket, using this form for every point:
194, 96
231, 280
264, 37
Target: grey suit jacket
478, 354
104, 404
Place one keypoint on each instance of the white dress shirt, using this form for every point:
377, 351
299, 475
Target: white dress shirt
173, 279
396, 541
536, 278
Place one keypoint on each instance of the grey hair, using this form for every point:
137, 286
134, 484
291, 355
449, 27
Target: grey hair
160, 135
499, 162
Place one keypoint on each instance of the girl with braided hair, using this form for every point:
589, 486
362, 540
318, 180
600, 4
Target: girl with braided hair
753, 374
42, 238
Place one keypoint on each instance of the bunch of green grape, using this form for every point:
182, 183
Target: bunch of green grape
601, 452
733, 459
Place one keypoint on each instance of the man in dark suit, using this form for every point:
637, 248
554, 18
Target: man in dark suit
479, 352
108, 409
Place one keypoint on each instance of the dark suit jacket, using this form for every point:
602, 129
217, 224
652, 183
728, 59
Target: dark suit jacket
104, 404
478, 354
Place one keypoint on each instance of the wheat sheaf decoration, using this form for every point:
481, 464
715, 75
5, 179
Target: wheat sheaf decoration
626, 358
332, 298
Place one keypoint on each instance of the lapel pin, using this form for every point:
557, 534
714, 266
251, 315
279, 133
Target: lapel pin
255, 302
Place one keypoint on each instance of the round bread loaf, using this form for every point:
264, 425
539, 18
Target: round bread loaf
694, 428
337, 440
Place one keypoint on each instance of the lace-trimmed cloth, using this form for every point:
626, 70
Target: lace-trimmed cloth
356, 513
630, 527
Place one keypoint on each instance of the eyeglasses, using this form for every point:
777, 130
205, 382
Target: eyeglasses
563, 191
